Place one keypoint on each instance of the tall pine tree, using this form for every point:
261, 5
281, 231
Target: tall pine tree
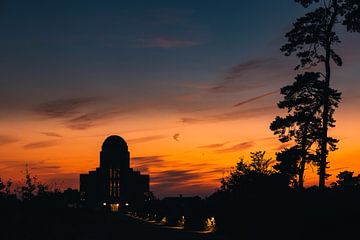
313, 38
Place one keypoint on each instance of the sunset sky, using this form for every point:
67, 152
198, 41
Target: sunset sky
192, 86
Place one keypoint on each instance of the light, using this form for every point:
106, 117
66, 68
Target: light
104, 204
126, 204
181, 222
210, 224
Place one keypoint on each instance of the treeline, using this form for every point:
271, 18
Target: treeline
257, 200
33, 210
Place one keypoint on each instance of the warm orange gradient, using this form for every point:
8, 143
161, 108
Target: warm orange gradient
182, 156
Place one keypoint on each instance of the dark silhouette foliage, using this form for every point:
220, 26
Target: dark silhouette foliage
313, 39
303, 124
254, 176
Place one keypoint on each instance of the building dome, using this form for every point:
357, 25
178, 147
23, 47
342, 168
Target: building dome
114, 142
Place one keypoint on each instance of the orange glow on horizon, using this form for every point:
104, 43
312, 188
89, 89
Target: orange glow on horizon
193, 163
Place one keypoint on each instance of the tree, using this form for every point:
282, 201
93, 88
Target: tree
347, 180
2, 186
288, 164
28, 190
5, 188
255, 176
303, 102
312, 39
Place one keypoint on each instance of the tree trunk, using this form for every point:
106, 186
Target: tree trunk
326, 102
325, 119
303, 157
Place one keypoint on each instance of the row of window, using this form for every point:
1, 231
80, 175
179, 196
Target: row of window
114, 186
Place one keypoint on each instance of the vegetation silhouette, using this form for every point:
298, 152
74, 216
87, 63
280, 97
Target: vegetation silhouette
313, 39
303, 124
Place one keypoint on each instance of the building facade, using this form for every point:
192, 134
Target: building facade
114, 184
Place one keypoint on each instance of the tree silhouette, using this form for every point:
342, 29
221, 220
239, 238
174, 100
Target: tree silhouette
2, 186
288, 164
303, 102
312, 39
255, 176
5, 188
28, 190
347, 181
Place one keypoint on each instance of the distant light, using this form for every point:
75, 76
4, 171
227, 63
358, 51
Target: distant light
126, 204
104, 203
210, 224
117, 204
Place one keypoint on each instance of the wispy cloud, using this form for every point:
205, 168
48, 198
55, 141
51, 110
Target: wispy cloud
166, 43
237, 78
240, 69
146, 139
231, 116
144, 163
64, 107
51, 134
215, 145
178, 181
191, 120
87, 120
236, 148
255, 98
76, 113
34, 166
176, 136
7, 140
41, 144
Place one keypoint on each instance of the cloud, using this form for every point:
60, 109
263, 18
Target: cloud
215, 145
191, 120
231, 116
180, 181
51, 134
63, 108
176, 136
174, 176
146, 139
76, 113
240, 69
236, 148
255, 98
7, 140
144, 163
87, 120
41, 144
166, 43
249, 75
36, 167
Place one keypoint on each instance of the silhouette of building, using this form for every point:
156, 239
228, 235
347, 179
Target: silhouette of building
114, 184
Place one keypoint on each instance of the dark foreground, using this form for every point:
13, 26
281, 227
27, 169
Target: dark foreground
84, 225
293, 216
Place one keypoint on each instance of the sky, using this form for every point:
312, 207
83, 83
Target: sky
192, 86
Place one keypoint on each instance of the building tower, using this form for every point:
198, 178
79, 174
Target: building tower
114, 183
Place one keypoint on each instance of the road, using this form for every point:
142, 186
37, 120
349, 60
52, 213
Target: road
119, 226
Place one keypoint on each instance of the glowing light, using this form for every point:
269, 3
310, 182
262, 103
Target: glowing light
104, 204
210, 224
181, 222
126, 204
164, 220
114, 207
